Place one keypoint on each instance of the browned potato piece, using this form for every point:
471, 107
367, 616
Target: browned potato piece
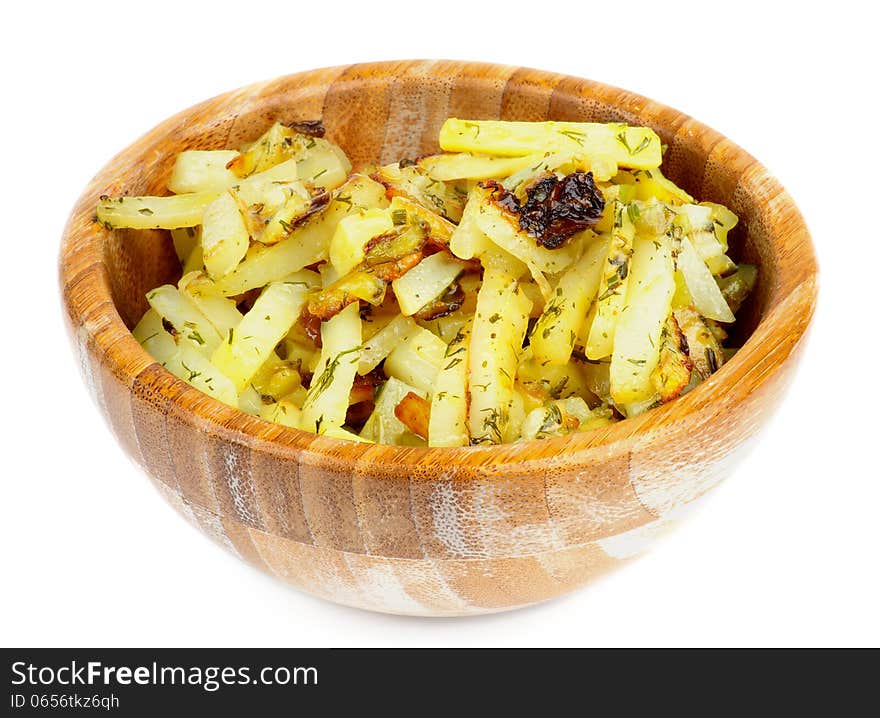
414, 412
703, 348
673, 371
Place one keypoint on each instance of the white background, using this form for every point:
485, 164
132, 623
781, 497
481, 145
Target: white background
785, 552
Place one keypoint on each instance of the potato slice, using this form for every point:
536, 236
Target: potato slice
269, 188
353, 233
637, 147
381, 344
703, 347
554, 334
703, 288
359, 285
152, 336
413, 182
417, 360
383, 426
637, 336
246, 348
296, 208
465, 165
673, 371
196, 369
447, 424
468, 240
327, 401
612, 287
702, 231
414, 413
426, 281
225, 238
202, 170
220, 311
496, 342
561, 417
277, 144
182, 210
724, 221
189, 323
651, 183
438, 228
323, 164
282, 412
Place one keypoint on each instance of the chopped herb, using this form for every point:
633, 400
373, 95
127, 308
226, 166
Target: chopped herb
556, 391
552, 420
192, 374
229, 337
326, 377
145, 211
632, 210
637, 362
642, 145
494, 421
610, 292
398, 217
196, 337
574, 135
711, 359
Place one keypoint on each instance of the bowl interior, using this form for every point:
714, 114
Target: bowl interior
382, 116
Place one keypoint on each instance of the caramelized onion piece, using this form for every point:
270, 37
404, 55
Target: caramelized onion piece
555, 209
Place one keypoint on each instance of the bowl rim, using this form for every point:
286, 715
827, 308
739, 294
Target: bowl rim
93, 319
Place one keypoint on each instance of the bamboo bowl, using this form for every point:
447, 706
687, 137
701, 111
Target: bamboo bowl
429, 531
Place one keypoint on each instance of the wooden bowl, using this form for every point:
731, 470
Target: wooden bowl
449, 531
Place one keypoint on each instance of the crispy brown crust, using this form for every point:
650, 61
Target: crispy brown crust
443, 306
673, 372
364, 387
311, 324
701, 344
415, 413
362, 284
312, 128
393, 269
